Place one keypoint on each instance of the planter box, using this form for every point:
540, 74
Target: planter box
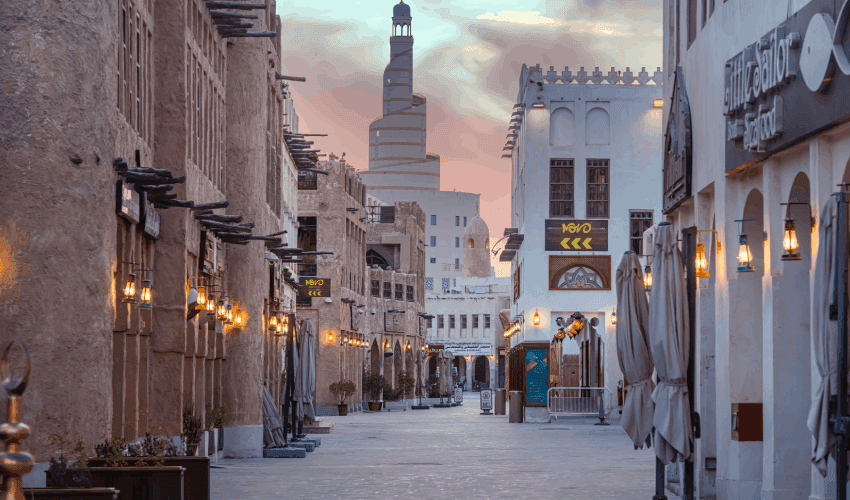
395, 405
138, 483
71, 493
375, 405
196, 478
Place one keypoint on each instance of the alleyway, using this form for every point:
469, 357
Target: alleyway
450, 453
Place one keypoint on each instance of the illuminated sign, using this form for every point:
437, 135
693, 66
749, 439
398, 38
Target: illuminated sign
576, 235
315, 287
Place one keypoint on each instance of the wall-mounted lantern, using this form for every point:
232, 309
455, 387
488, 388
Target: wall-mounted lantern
658, 103
330, 337
701, 262
387, 350
789, 237
409, 347
130, 289
614, 317
576, 326
745, 257
535, 320
647, 278
146, 294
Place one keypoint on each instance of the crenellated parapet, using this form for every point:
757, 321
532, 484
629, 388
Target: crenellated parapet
582, 77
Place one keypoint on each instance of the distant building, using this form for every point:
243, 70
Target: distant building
585, 166
401, 169
466, 316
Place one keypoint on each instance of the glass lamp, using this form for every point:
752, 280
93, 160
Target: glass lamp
745, 257
210, 304
701, 263
535, 320
146, 294
789, 241
130, 289
202, 297
647, 278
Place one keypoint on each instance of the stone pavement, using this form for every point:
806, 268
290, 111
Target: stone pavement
450, 453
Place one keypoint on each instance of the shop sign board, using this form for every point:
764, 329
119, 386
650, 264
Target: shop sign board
153, 221
315, 287
536, 376
434, 349
470, 349
576, 235
787, 85
394, 322
487, 399
127, 202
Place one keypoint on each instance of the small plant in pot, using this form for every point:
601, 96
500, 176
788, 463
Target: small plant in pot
193, 430
78, 463
374, 384
343, 390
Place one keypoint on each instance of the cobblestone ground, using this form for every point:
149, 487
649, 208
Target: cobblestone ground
450, 453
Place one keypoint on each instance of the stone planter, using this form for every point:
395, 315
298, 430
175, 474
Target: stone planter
139, 483
396, 405
374, 405
196, 478
343, 410
71, 493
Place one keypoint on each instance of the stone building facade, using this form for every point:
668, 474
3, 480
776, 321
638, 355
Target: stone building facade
744, 146
584, 165
196, 115
332, 218
396, 296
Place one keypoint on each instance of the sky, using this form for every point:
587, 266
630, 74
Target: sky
467, 57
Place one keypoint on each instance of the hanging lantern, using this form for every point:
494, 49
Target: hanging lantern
210, 304
202, 297
745, 257
330, 337
561, 334
146, 294
701, 263
229, 315
279, 328
221, 311
273, 321
130, 289
647, 278
409, 347
535, 320
387, 350
614, 317
789, 241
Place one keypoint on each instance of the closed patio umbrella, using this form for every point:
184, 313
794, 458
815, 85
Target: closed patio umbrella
445, 372
296, 375
670, 342
272, 423
307, 370
633, 351
825, 337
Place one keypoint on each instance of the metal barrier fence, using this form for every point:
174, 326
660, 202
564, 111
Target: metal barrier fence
575, 401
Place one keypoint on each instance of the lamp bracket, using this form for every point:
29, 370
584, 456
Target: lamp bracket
717, 237
812, 218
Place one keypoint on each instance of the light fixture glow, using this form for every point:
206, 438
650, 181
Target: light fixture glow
535, 320
745, 257
273, 320
146, 294
701, 263
647, 278
538, 105
130, 289
614, 318
202, 297
210, 306
658, 103
789, 241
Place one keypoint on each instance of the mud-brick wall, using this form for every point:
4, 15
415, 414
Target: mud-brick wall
57, 217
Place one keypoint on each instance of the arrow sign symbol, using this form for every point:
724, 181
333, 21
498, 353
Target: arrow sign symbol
576, 242
565, 243
587, 243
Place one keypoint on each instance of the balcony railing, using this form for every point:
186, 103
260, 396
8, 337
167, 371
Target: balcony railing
307, 182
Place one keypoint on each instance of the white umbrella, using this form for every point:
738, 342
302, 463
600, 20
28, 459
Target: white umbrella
307, 371
825, 337
670, 341
633, 350
272, 423
445, 371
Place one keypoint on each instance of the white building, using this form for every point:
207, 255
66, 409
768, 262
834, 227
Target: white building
753, 329
466, 317
585, 170
401, 169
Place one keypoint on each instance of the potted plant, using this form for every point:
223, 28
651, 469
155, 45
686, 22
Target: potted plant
193, 430
343, 390
216, 417
374, 384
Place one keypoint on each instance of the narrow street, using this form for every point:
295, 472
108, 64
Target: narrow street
446, 453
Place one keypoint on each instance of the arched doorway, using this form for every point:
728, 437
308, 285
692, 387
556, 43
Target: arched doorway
481, 373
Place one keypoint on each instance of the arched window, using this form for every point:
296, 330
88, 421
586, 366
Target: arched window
598, 130
562, 128
373, 257
470, 243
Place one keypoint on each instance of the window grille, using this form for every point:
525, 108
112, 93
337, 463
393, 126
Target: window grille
410, 295
429, 283
399, 291
597, 188
463, 321
388, 290
486, 321
561, 188
451, 320
376, 288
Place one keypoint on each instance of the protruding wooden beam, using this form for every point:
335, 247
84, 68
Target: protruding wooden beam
219, 218
214, 4
235, 15
217, 204
293, 78
304, 135
252, 34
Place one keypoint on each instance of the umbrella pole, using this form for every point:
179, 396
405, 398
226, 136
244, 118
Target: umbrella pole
689, 237
659, 480
841, 418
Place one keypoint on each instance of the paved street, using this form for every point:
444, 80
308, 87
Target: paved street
450, 453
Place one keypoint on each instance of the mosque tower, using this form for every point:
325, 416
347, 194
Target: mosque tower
476, 249
397, 140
